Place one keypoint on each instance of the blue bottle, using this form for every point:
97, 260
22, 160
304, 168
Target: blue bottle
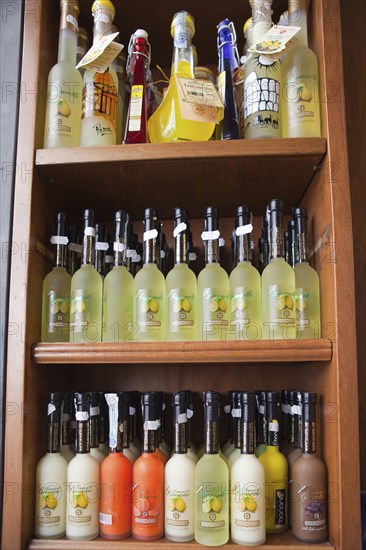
228, 65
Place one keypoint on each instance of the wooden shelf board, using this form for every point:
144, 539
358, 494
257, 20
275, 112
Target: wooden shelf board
253, 171
182, 352
285, 541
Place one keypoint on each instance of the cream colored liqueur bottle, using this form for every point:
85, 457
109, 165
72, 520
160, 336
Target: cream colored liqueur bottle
248, 504
179, 478
83, 488
51, 476
64, 88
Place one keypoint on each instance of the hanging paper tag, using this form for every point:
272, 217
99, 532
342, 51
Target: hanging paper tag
274, 426
131, 253
118, 247
89, 232
151, 424
131, 411
236, 413
180, 227
102, 54
94, 411
199, 101
244, 229
136, 259
101, 246
192, 256
50, 409
275, 41
58, 239
152, 234
221, 242
81, 416
296, 409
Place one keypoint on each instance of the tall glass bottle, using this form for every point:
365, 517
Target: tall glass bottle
288, 422
94, 422
74, 250
278, 284
51, 477
245, 283
247, 483
150, 287
211, 481
115, 480
276, 471
296, 412
300, 76
67, 439
179, 478
212, 284
260, 418
118, 293
101, 247
262, 82
82, 511
191, 447
86, 291
100, 90
56, 290
137, 66
166, 123
307, 293
64, 87
308, 486
181, 286
148, 479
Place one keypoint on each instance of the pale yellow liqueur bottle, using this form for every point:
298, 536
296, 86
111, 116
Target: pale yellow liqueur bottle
307, 293
181, 287
245, 283
211, 481
278, 284
118, 293
212, 285
100, 90
300, 102
262, 82
150, 287
51, 477
65, 85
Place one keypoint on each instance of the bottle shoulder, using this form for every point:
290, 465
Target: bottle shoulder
181, 272
305, 270
86, 270
277, 268
118, 273
57, 275
178, 463
244, 269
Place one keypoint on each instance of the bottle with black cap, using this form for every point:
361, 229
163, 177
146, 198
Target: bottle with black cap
101, 248
228, 446
116, 473
296, 427
181, 286
291, 243
161, 451
179, 478
94, 422
191, 447
245, 283
86, 291
212, 285
124, 425
211, 481
118, 293
260, 419
148, 479
135, 443
308, 482
150, 287
82, 510
51, 477
247, 483
236, 415
276, 470
56, 290
288, 422
278, 284
74, 249
67, 439
307, 294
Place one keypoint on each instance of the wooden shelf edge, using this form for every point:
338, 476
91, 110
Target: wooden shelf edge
285, 541
284, 147
263, 351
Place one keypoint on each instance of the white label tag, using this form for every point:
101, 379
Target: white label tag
132, 411
81, 416
152, 234
244, 229
102, 54
101, 246
75, 247
274, 427
189, 413
89, 232
58, 239
236, 413
131, 253
94, 411
261, 409
136, 259
182, 418
227, 409
118, 247
274, 40
71, 19
296, 409
192, 256
50, 409
121, 427
151, 424
210, 235
180, 227
221, 242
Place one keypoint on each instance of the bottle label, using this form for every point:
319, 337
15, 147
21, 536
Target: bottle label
148, 310
63, 103
313, 509
199, 100
136, 98
221, 83
214, 313
301, 94
240, 306
100, 97
82, 499
145, 507
280, 507
58, 312
81, 314
177, 506
246, 510
213, 504
49, 496
302, 304
281, 307
180, 309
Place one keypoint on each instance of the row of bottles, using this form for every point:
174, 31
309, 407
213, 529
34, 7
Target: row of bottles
185, 495
281, 303
266, 97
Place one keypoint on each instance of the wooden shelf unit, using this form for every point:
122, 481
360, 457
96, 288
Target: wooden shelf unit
312, 173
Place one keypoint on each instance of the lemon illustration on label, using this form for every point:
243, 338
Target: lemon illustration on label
83, 500
214, 306
216, 504
206, 505
186, 305
48, 500
177, 306
303, 93
211, 503
281, 302
301, 304
222, 304
289, 302
64, 308
154, 306
144, 307
64, 108
180, 505
54, 308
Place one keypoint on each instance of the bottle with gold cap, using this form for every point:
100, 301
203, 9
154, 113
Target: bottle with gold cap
64, 88
262, 82
100, 90
167, 124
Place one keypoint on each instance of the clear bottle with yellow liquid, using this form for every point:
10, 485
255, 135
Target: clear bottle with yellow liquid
167, 124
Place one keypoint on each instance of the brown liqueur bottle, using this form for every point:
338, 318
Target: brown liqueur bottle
308, 485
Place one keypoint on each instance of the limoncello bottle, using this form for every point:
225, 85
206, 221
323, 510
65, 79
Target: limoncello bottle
245, 283
64, 88
167, 122
262, 82
307, 293
211, 481
300, 76
212, 284
278, 284
118, 296
181, 287
149, 284
56, 290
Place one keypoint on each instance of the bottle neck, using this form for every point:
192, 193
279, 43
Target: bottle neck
53, 441
237, 433
66, 429
149, 441
82, 437
309, 428
123, 435
212, 437
151, 251
181, 256
262, 19
212, 251
94, 431
68, 38
277, 246
103, 20
100, 261
227, 59
272, 425
180, 437
88, 249
242, 248
247, 437
297, 16
183, 61
61, 254
301, 248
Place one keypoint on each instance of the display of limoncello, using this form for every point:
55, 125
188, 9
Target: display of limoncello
167, 123
300, 76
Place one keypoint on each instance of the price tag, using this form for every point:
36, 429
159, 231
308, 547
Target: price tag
102, 54
199, 100
275, 41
